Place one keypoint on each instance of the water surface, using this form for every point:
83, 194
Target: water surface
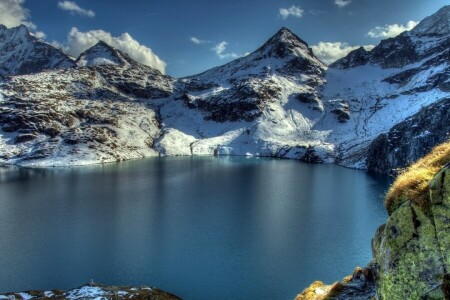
202, 228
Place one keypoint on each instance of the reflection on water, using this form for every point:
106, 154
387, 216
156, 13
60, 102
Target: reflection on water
228, 228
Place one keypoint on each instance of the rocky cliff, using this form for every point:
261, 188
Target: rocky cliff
411, 251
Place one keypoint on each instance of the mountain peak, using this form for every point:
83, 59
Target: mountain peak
285, 43
436, 24
103, 54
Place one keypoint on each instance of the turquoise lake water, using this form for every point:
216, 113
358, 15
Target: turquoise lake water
201, 228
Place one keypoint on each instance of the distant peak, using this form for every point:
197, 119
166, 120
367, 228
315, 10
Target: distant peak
103, 54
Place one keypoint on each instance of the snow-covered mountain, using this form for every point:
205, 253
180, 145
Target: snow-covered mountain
22, 53
278, 101
260, 104
392, 82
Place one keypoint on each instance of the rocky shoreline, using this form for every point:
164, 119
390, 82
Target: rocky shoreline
94, 291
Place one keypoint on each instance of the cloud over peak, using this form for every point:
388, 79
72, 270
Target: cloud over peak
78, 41
12, 14
74, 8
294, 11
392, 30
330, 52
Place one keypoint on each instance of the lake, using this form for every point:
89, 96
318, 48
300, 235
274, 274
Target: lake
198, 227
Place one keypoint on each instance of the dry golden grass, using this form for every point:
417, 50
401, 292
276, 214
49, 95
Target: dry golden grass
412, 183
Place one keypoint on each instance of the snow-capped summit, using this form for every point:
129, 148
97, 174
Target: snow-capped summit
436, 24
22, 53
104, 54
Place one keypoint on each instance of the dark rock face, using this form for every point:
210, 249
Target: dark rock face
342, 112
310, 156
411, 139
24, 138
311, 99
139, 81
356, 57
22, 53
244, 101
395, 52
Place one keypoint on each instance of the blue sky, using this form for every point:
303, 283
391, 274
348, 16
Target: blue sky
167, 26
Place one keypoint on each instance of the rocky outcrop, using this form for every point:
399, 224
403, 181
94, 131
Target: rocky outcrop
358, 286
410, 139
411, 251
95, 291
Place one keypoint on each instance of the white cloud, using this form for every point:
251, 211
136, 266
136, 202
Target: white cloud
198, 41
39, 34
78, 41
294, 11
220, 48
12, 14
393, 30
330, 52
74, 8
342, 3
317, 12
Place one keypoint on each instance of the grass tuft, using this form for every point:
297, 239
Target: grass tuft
412, 184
